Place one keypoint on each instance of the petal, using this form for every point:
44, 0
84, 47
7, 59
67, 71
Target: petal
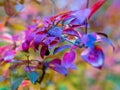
68, 59
94, 57
61, 48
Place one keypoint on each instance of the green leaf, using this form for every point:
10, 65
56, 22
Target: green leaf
16, 83
33, 76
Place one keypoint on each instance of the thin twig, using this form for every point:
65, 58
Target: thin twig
53, 7
86, 22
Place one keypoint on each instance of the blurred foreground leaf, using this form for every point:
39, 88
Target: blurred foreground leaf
16, 83
33, 76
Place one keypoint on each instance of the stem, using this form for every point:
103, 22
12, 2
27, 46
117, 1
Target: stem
28, 63
42, 77
86, 22
45, 65
53, 7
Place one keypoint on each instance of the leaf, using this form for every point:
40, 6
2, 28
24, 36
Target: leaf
70, 31
56, 66
43, 51
81, 15
96, 6
33, 76
108, 41
61, 48
2, 78
94, 57
9, 8
25, 47
55, 61
68, 59
49, 40
59, 68
38, 39
16, 83
55, 31
9, 55
89, 40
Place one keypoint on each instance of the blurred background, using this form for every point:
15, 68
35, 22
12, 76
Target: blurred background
106, 19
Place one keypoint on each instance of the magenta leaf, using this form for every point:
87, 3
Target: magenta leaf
43, 51
61, 48
94, 57
68, 59
55, 61
9, 55
30, 37
25, 47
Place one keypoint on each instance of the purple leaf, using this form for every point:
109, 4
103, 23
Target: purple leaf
61, 48
80, 15
38, 39
58, 68
107, 41
70, 31
30, 37
94, 57
73, 66
48, 40
68, 59
55, 31
9, 55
